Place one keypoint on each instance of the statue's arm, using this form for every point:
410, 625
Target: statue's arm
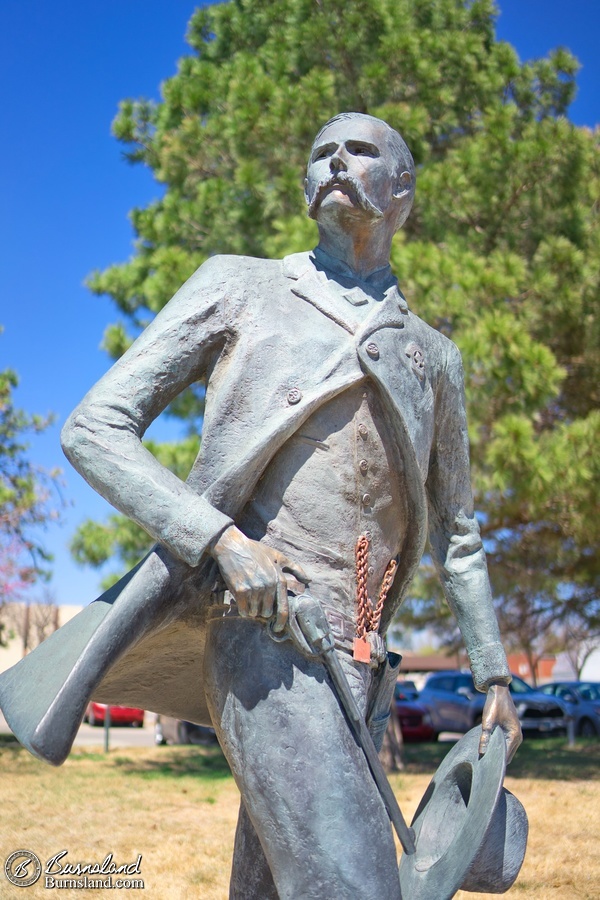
103, 436
455, 539
458, 553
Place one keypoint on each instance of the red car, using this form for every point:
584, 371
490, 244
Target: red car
119, 715
415, 719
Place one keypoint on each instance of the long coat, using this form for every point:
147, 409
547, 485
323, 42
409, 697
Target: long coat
274, 343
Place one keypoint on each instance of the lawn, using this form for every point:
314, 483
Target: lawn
177, 807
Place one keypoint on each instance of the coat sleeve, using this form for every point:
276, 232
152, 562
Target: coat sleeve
455, 540
103, 436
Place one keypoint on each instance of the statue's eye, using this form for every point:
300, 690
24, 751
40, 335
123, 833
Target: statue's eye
362, 150
358, 148
321, 154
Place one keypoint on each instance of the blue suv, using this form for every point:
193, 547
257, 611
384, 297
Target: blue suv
455, 705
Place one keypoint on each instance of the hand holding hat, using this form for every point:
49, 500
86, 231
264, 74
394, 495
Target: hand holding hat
470, 832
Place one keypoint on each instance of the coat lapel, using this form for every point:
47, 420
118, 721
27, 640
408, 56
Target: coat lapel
387, 313
308, 287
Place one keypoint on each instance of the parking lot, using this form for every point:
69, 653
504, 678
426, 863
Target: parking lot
119, 736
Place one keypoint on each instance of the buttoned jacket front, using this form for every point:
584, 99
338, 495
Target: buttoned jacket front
273, 344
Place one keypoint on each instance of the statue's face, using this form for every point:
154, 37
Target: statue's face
351, 167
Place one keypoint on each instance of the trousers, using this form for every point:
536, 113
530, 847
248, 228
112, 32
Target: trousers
312, 823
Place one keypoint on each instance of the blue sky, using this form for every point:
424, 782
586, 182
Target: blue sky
66, 190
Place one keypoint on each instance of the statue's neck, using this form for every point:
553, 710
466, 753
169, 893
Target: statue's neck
363, 250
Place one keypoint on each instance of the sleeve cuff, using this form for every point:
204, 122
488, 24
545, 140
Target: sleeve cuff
197, 525
489, 666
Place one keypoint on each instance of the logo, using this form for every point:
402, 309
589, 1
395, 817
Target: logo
23, 868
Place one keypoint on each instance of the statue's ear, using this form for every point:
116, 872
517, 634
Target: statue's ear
404, 185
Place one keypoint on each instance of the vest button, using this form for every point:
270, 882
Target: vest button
363, 430
372, 350
363, 466
366, 499
294, 396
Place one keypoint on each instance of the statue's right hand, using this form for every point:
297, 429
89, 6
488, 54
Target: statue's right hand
256, 575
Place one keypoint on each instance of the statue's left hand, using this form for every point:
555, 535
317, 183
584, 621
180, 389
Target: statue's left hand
499, 710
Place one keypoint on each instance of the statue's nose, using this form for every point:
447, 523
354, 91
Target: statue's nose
337, 162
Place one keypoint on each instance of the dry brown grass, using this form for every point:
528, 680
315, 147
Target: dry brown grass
177, 806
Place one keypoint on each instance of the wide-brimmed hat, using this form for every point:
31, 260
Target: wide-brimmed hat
470, 832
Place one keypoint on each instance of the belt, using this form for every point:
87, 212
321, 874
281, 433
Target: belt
343, 627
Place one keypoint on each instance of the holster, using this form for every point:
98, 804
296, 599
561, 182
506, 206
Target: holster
381, 696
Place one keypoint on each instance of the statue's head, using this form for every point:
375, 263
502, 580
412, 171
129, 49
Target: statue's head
359, 162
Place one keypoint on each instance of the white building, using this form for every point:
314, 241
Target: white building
26, 625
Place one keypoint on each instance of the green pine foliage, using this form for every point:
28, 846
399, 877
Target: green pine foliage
119, 538
501, 252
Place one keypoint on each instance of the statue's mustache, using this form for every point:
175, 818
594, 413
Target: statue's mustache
342, 178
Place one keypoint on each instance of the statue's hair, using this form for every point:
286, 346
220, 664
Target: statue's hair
403, 157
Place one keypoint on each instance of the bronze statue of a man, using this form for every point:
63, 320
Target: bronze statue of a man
334, 440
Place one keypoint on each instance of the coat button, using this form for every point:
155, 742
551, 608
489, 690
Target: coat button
294, 396
373, 350
363, 466
366, 499
363, 430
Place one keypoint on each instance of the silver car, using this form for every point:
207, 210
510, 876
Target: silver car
175, 731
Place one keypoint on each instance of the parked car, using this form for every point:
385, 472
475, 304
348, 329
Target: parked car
582, 699
406, 690
119, 715
455, 705
175, 731
589, 690
415, 719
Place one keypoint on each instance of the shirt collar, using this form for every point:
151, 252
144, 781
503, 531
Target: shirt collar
380, 279
380, 284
